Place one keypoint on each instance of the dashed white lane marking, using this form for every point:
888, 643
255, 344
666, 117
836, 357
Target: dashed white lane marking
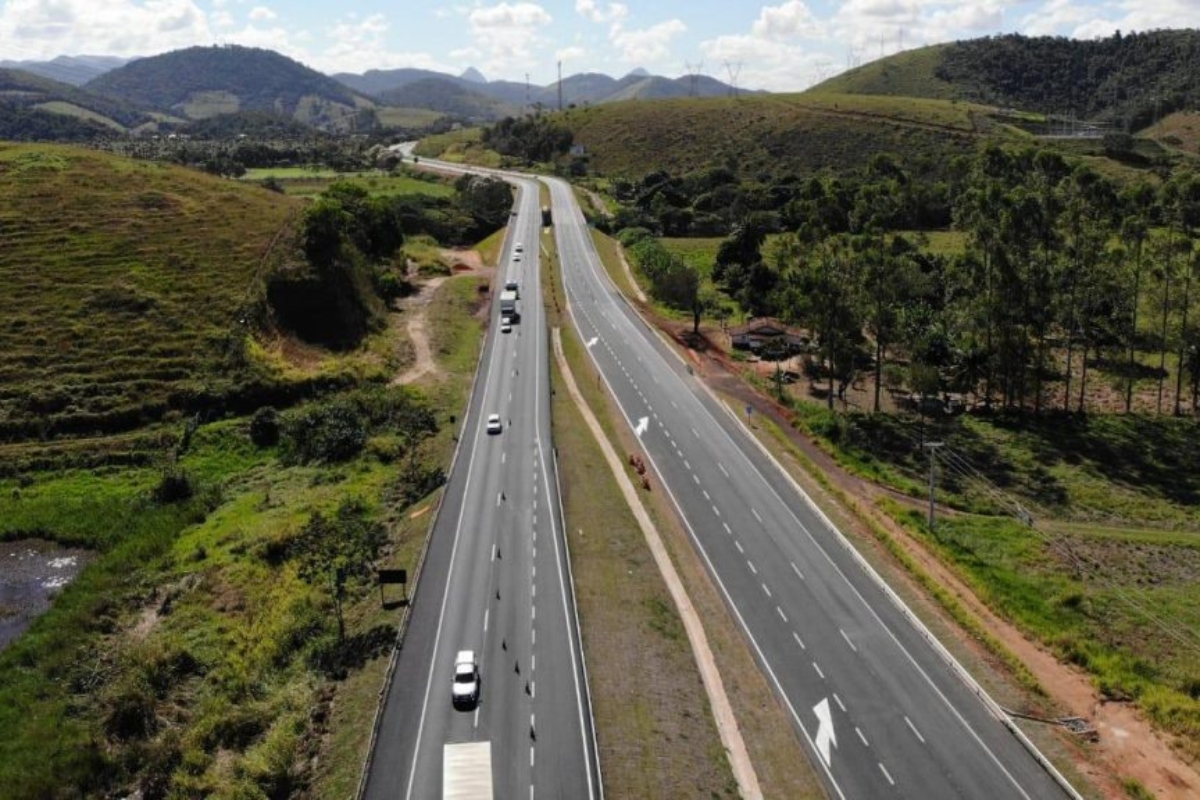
721, 467
503, 457
705, 493
533, 612
533, 590
716, 511
533, 662
886, 774
738, 545
696, 479
727, 528
754, 511
913, 728
839, 702
750, 564
695, 434
687, 465
486, 612
796, 570
847, 638
858, 730
531, 758
782, 616
818, 669
765, 589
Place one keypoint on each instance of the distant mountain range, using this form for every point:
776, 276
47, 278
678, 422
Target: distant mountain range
85, 96
73, 70
581, 89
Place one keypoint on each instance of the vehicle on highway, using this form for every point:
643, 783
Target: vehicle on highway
519, 248
516, 258
493, 423
514, 287
508, 306
464, 693
505, 326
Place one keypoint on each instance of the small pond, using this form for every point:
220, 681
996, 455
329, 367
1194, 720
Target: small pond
32, 573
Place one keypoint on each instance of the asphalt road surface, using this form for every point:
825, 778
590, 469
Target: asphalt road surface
496, 581
881, 708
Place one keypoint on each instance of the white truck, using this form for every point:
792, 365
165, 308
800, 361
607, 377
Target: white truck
467, 771
508, 306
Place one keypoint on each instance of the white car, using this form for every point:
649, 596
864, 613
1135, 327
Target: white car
519, 248
493, 423
505, 327
464, 692
516, 258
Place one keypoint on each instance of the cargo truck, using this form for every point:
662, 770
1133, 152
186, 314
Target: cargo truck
508, 306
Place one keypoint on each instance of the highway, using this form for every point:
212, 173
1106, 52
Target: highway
496, 580
882, 709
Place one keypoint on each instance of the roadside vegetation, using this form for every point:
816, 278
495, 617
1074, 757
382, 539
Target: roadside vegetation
227, 637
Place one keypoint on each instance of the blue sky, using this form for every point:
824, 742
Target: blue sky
780, 46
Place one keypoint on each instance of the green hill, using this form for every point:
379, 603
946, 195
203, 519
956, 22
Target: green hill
126, 290
28, 98
201, 82
774, 134
1126, 79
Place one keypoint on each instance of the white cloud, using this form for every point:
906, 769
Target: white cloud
1140, 15
37, 29
647, 45
752, 62
793, 18
261, 14
613, 13
507, 35
508, 18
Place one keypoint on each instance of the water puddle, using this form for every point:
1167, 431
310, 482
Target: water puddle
32, 572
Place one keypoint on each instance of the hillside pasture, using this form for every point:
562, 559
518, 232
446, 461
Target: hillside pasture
771, 134
127, 286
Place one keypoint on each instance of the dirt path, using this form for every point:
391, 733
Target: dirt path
1128, 747
416, 305
462, 262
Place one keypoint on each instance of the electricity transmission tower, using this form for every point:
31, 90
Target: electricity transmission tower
733, 69
693, 72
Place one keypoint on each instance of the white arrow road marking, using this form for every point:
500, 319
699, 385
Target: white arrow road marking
592, 342
825, 735
643, 423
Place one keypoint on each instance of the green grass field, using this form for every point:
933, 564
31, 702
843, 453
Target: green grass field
305, 182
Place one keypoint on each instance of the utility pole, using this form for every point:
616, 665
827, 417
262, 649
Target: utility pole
932, 447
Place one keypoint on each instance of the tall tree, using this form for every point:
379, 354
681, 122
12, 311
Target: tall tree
1137, 202
1181, 205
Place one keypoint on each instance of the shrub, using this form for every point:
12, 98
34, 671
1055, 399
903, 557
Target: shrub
174, 486
329, 432
131, 714
264, 427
